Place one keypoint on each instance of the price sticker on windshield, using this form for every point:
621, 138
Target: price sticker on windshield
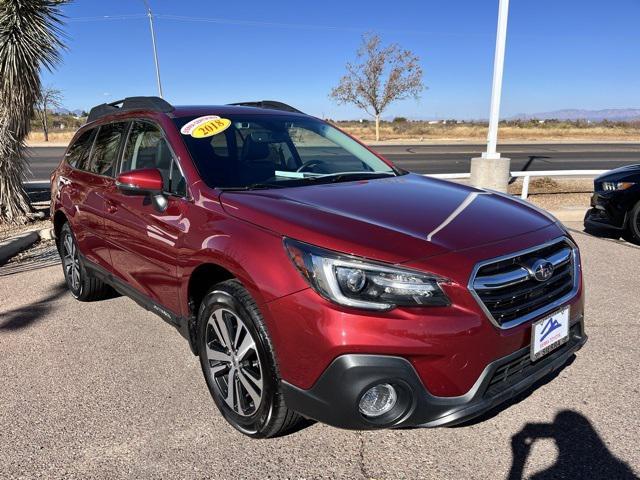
206, 126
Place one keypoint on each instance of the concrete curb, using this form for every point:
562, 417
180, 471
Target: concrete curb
569, 214
14, 245
46, 234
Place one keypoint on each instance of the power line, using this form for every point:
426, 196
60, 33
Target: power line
257, 23
302, 26
105, 17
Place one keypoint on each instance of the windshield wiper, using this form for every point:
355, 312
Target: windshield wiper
253, 186
340, 176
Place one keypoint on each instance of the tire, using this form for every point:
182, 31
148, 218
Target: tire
229, 315
82, 285
633, 226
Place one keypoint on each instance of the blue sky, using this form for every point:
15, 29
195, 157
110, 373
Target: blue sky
560, 53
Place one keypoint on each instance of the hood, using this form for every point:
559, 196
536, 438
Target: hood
390, 219
630, 172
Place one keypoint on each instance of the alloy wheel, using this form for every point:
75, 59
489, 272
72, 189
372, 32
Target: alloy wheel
71, 262
234, 362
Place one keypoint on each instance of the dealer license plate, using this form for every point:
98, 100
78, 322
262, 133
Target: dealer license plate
549, 333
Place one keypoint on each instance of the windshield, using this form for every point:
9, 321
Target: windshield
271, 151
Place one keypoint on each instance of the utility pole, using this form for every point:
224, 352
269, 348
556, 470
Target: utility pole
153, 43
490, 170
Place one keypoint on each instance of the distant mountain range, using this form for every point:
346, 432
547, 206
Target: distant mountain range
614, 114
64, 111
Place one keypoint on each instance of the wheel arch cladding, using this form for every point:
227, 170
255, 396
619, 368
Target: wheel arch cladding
59, 219
201, 280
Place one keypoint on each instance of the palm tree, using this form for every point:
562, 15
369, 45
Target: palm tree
30, 38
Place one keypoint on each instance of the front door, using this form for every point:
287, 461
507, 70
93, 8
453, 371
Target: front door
144, 242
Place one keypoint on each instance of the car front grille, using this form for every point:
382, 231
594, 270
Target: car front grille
522, 366
511, 293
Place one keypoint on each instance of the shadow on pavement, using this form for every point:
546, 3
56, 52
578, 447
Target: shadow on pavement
582, 453
34, 259
28, 314
528, 164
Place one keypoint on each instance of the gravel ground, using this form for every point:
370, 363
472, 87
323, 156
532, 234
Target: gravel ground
40, 255
7, 231
107, 390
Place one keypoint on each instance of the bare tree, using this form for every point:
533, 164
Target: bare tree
379, 76
49, 98
30, 38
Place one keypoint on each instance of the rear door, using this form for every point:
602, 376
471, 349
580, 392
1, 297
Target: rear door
72, 188
94, 179
144, 242
92, 160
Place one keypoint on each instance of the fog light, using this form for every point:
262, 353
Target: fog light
378, 400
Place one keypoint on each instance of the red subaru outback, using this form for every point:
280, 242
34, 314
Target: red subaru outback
313, 278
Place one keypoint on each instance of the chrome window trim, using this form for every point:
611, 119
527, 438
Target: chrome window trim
540, 311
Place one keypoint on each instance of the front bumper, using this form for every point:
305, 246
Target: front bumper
598, 219
334, 398
608, 211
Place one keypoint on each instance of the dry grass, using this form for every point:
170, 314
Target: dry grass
476, 133
422, 131
547, 186
54, 137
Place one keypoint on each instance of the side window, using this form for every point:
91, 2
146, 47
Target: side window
106, 148
147, 148
78, 153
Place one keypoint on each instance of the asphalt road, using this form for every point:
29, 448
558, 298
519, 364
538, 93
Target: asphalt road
456, 158
107, 390
451, 158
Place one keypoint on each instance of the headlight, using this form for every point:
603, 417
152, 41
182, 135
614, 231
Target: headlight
359, 283
611, 186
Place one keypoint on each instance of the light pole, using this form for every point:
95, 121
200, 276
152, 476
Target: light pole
490, 170
153, 43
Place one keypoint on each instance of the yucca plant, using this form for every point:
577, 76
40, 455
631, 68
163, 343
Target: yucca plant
30, 39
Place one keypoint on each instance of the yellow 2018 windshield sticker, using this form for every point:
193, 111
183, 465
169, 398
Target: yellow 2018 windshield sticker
206, 126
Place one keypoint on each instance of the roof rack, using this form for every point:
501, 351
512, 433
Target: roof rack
270, 104
155, 104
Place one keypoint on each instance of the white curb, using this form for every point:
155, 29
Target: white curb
14, 245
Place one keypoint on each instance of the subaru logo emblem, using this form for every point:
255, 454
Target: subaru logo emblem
542, 270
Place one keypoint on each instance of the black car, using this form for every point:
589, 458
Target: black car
616, 203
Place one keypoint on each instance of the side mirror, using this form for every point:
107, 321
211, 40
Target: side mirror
145, 181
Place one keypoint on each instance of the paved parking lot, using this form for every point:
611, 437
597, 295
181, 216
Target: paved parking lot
107, 390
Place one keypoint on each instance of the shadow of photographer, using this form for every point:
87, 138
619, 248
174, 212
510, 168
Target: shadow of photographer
582, 453
26, 315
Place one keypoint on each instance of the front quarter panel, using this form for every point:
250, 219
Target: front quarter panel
254, 255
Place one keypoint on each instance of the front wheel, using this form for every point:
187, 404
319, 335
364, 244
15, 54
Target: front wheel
239, 364
633, 225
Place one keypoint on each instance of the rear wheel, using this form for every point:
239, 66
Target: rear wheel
633, 225
81, 284
239, 364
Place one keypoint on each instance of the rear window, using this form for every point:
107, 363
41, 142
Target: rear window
78, 153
